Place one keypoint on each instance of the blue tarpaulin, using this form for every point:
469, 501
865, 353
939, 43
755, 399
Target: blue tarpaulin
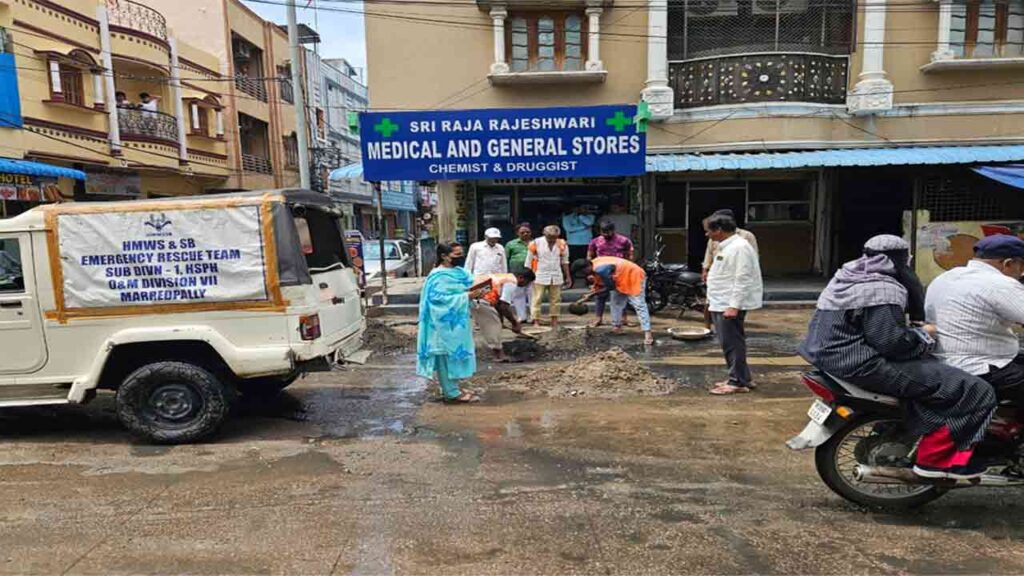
1011, 175
10, 102
11, 166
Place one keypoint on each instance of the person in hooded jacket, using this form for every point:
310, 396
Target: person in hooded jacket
859, 333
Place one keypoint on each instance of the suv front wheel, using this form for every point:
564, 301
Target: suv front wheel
173, 402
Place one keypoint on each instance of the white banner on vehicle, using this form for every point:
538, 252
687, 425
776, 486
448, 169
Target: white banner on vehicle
162, 257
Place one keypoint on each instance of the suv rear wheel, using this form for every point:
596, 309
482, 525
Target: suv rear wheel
173, 402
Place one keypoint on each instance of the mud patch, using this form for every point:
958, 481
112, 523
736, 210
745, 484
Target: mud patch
388, 340
560, 344
609, 374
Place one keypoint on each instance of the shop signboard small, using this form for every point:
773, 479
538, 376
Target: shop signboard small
354, 244
592, 141
25, 188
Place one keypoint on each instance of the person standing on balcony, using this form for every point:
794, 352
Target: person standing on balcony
148, 102
122, 100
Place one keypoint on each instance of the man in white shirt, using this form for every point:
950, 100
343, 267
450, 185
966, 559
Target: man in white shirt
148, 102
975, 308
548, 257
734, 287
487, 256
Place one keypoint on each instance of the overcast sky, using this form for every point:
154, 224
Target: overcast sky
341, 33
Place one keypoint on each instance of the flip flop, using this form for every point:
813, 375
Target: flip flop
728, 389
464, 398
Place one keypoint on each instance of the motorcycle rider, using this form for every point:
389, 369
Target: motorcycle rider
975, 307
859, 333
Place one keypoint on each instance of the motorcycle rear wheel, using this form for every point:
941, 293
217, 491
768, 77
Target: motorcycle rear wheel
863, 441
656, 301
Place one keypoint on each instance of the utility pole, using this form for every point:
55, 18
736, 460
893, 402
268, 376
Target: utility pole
301, 129
381, 234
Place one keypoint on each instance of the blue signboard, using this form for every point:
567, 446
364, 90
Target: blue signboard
503, 143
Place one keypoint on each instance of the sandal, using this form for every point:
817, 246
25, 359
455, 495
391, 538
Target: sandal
728, 389
597, 323
464, 398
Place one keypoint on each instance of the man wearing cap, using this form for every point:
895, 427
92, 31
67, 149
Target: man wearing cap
975, 308
488, 256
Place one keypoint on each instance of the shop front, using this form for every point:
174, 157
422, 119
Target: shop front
25, 185
500, 167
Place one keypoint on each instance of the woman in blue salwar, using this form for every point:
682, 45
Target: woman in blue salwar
445, 345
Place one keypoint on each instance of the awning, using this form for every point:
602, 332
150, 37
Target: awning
346, 172
10, 166
1011, 175
914, 155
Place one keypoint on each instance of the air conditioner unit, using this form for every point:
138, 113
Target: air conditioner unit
708, 8
780, 6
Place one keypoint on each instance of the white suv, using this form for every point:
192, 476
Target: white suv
175, 304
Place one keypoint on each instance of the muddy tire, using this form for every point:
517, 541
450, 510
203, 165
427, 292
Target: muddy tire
835, 459
656, 301
173, 402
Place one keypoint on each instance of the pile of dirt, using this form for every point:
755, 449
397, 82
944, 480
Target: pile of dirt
560, 343
387, 340
609, 374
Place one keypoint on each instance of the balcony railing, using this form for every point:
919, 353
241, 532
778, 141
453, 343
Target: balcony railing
147, 124
253, 163
251, 86
750, 78
135, 16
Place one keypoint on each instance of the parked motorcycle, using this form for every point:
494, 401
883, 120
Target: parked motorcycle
864, 453
673, 285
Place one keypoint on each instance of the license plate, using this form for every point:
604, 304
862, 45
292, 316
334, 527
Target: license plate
819, 412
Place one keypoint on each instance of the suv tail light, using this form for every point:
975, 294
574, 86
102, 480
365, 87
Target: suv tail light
309, 327
819, 389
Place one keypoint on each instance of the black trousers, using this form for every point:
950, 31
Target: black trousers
1008, 381
733, 337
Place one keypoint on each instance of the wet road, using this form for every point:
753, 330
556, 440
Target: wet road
360, 472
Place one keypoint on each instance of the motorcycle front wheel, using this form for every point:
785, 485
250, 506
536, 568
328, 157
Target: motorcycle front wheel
871, 441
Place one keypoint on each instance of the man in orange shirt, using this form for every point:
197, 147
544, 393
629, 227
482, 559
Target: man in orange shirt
627, 283
495, 304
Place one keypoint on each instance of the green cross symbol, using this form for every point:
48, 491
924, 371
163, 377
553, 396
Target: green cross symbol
386, 127
643, 115
619, 121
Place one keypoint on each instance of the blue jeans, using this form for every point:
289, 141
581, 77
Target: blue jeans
639, 303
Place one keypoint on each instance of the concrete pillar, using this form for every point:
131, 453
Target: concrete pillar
57, 91
113, 126
498, 16
657, 92
98, 100
179, 106
873, 92
943, 50
594, 39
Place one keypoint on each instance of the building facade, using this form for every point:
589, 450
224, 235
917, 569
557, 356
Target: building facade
818, 122
254, 63
74, 86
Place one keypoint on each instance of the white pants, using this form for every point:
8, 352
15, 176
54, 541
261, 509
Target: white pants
489, 322
521, 303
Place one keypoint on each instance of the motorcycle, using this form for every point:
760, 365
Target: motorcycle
863, 452
673, 285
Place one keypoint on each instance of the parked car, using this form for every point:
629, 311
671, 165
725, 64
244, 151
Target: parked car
398, 259
175, 305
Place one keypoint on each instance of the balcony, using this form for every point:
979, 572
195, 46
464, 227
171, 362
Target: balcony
135, 16
251, 86
259, 164
753, 78
147, 125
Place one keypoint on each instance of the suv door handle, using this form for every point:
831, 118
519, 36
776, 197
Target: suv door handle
11, 304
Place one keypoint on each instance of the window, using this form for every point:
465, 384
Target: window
987, 29
779, 201
284, 74
71, 85
291, 151
546, 42
11, 278
701, 28
6, 41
